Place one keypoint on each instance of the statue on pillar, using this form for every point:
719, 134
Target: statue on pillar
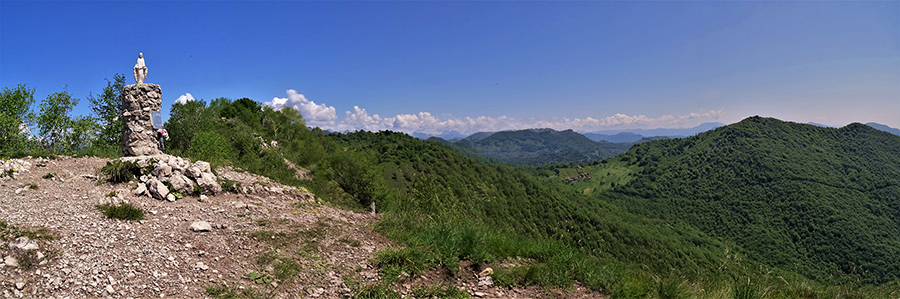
140, 70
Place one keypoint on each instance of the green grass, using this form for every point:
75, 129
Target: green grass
49, 175
124, 211
118, 171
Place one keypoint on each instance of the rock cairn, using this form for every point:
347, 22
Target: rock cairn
139, 137
180, 174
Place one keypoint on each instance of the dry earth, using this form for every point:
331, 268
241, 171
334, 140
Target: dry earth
92, 256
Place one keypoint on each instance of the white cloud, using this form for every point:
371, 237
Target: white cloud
425, 122
183, 99
315, 115
325, 117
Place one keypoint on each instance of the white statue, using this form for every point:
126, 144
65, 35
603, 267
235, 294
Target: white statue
140, 70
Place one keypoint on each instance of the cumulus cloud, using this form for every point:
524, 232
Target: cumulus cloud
315, 115
325, 117
424, 122
183, 99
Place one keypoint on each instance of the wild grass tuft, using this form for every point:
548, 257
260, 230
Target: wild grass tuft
118, 171
124, 211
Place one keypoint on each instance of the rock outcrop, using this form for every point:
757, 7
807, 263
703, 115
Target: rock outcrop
138, 136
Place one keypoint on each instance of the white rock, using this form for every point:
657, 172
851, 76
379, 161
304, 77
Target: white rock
20, 285
208, 182
204, 166
204, 198
23, 243
140, 190
110, 289
201, 266
201, 226
171, 197
162, 170
157, 189
11, 261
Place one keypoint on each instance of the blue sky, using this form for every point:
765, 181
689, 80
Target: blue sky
478, 66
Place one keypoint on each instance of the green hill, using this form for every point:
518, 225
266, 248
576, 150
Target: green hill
541, 146
824, 202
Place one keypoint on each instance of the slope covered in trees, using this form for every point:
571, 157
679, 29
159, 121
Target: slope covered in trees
538, 147
819, 201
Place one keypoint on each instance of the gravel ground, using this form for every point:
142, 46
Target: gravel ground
160, 256
92, 256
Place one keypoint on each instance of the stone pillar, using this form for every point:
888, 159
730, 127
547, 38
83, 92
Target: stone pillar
138, 135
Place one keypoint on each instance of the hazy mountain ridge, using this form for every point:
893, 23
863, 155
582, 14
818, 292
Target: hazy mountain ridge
885, 128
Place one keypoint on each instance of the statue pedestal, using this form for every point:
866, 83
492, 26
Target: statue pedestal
138, 135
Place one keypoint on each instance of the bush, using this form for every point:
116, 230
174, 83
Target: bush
210, 147
118, 171
123, 211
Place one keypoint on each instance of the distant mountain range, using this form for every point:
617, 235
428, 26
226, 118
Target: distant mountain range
885, 128
621, 135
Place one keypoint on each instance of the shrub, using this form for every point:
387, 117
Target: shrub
118, 171
123, 211
211, 147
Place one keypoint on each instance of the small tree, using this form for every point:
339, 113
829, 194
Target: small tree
59, 132
107, 108
14, 117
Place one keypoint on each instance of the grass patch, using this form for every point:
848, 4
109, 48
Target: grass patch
112, 193
441, 290
49, 176
231, 186
118, 171
9, 231
32, 186
124, 211
225, 292
351, 242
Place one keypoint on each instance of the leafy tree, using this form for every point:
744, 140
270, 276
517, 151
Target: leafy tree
185, 121
54, 123
107, 107
357, 174
14, 106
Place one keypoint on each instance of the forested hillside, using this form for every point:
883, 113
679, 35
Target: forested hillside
824, 202
537, 147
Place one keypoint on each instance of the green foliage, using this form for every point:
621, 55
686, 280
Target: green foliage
119, 171
11, 231
210, 147
440, 290
538, 147
123, 211
185, 121
54, 121
818, 201
107, 108
14, 117
49, 175
357, 175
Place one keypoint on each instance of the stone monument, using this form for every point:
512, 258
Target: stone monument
139, 138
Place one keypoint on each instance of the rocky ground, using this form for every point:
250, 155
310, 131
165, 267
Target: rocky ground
274, 242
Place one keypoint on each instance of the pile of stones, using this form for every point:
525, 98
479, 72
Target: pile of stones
183, 176
9, 168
